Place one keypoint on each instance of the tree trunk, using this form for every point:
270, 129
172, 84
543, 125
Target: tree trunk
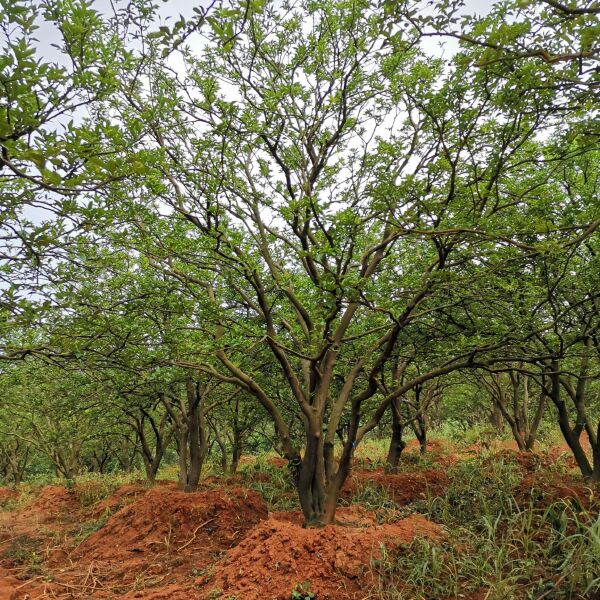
563, 420
535, 424
397, 444
236, 452
596, 455
218, 439
152, 458
197, 438
182, 446
318, 487
419, 426
496, 417
311, 482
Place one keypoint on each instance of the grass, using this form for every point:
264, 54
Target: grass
494, 545
91, 488
91, 527
25, 493
26, 552
273, 482
88, 488
499, 544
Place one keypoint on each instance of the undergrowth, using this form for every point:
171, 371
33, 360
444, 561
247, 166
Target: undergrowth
90, 527
494, 545
27, 554
274, 482
91, 488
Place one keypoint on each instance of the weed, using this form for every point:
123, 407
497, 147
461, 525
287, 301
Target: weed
274, 483
25, 551
302, 592
92, 526
493, 544
376, 499
478, 487
91, 488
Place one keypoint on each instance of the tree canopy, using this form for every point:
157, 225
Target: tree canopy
296, 211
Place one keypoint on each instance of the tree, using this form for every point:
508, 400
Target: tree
338, 194
303, 206
510, 395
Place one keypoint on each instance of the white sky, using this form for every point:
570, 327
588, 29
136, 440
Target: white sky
170, 10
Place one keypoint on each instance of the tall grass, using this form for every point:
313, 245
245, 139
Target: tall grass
495, 546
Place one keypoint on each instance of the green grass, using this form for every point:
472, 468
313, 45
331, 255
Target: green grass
273, 482
91, 488
90, 527
494, 545
26, 552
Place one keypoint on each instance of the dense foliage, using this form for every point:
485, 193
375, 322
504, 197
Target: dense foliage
293, 224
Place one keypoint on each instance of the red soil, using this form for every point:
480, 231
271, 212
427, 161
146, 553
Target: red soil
528, 462
52, 503
162, 544
28, 527
6, 495
166, 521
8, 585
154, 548
279, 554
404, 488
121, 497
544, 488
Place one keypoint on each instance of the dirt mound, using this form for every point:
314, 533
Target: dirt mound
6, 495
124, 495
404, 488
8, 585
433, 446
280, 555
528, 462
354, 515
544, 489
53, 502
186, 529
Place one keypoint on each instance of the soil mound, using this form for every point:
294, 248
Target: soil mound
542, 490
6, 495
53, 502
279, 556
404, 488
126, 494
186, 529
528, 462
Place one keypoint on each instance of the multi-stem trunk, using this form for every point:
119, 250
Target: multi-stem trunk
588, 470
318, 495
397, 444
320, 476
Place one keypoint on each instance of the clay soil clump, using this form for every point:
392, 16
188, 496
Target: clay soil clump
403, 488
280, 555
185, 527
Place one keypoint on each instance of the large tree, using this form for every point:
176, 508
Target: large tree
310, 201
341, 195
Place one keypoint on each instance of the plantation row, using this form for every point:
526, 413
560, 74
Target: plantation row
295, 226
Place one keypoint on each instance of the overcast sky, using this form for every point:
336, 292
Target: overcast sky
171, 9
